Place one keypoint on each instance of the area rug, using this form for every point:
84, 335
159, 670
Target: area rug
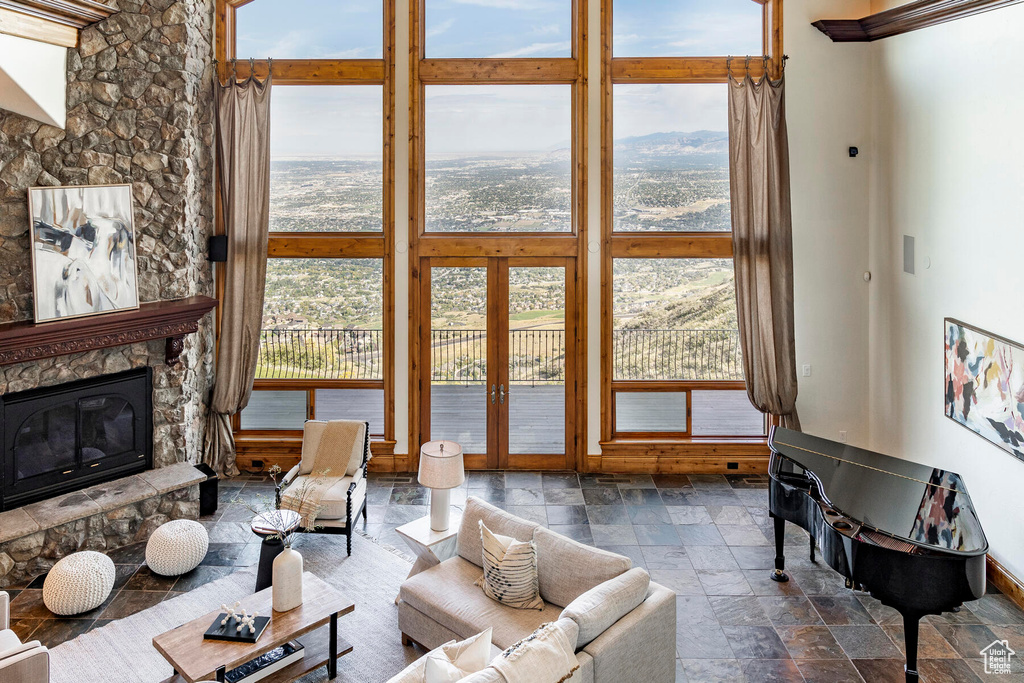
122, 651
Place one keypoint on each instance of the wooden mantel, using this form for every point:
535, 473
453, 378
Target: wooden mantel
170, 320
51, 21
905, 18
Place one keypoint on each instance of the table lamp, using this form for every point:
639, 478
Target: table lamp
441, 469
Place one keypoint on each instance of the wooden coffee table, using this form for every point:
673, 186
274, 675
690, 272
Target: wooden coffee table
314, 623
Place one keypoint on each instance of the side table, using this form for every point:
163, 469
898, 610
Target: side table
269, 526
430, 547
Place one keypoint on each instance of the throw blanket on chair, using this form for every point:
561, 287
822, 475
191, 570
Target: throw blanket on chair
329, 465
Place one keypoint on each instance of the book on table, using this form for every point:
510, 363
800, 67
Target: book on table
266, 664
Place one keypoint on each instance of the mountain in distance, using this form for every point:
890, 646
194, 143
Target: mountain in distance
698, 142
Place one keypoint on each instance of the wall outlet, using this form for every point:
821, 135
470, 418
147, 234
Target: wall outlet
807, 369
842, 435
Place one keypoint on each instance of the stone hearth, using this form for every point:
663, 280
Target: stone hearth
104, 518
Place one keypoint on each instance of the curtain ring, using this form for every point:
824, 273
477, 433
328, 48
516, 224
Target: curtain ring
234, 69
747, 65
765, 58
252, 67
728, 65
270, 66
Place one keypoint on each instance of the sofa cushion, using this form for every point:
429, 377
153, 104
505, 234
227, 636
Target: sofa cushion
8, 640
603, 605
446, 594
497, 520
453, 661
510, 570
567, 569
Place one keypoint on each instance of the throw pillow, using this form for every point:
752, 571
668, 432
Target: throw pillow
510, 570
453, 661
544, 656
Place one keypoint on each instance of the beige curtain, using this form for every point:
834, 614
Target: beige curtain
243, 163
762, 230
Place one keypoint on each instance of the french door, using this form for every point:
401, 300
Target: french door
498, 354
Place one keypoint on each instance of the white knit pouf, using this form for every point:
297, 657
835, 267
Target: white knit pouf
177, 547
78, 583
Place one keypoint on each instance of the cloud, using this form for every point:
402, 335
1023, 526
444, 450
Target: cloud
546, 30
536, 48
438, 29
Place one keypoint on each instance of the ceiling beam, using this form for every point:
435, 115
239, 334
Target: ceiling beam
905, 18
50, 21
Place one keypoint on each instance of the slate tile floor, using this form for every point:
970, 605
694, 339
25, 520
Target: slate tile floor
706, 537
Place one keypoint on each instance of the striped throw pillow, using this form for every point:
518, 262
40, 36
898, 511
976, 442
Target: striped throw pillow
510, 571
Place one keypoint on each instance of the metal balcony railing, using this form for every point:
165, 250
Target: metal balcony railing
458, 356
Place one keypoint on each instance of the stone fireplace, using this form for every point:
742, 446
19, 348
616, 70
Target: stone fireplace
139, 111
60, 439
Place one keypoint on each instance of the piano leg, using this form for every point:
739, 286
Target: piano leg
812, 548
910, 629
780, 555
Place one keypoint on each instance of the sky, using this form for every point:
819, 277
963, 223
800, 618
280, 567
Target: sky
338, 121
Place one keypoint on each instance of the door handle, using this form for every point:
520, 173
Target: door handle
501, 396
492, 394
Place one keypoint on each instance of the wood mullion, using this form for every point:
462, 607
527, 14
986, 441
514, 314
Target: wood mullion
575, 436
498, 71
607, 221
678, 385
388, 217
652, 245
496, 246
497, 361
313, 245
681, 69
312, 71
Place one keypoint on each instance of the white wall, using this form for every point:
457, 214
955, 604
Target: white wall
827, 94
948, 169
33, 79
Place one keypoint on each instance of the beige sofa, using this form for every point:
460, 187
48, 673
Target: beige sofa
627, 624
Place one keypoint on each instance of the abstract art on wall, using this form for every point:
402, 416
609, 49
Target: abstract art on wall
83, 251
985, 385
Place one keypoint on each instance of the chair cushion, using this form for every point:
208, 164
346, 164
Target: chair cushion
335, 500
510, 571
497, 520
8, 641
603, 605
568, 569
312, 430
81, 582
446, 594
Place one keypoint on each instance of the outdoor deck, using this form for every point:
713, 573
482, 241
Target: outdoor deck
536, 417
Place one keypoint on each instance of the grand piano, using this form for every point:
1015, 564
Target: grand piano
905, 532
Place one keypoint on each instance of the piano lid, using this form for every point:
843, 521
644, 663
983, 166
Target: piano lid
913, 502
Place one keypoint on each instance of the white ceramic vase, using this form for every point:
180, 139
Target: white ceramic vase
287, 578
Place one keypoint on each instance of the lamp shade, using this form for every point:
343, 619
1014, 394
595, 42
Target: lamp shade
441, 465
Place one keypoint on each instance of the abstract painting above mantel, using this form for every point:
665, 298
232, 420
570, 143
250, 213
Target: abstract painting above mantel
985, 385
83, 251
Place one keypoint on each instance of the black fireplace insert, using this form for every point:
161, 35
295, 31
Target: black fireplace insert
71, 436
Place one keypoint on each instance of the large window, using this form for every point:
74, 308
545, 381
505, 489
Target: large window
498, 158
672, 361
326, 347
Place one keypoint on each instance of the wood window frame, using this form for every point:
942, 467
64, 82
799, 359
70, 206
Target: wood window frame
284, 446
570, 71
619, 447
